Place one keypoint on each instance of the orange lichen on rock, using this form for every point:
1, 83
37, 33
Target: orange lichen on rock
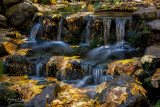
156, 78
136, 89
125, 67
117, 95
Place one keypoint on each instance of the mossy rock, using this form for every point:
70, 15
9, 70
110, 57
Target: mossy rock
9, 97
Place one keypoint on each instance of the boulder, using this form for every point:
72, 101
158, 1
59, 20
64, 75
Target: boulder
122, 91
146, 14
154, 25
47, 95
3, 51
156, 79
131, 67
11, 2
64, 68
9, 97
3, 18
3, 21
153, 50
50, 28
17, 65
20, 15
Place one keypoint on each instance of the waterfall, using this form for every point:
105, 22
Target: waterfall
38, 69
34, 31
84, 81
98, 73
59, 29
88, 32
107, 25
120, 30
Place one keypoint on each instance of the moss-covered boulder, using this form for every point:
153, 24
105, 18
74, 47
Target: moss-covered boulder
122, 91
131, 67
8, 96
64, 68
11, 2
146, 14
20, 15
17, 65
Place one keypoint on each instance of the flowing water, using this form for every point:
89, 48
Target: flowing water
120, 30
60, 29
106, 25
93, 74
34, 31
88, 32
38, 69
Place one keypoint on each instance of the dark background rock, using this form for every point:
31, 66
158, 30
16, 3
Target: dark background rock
40, 100
20, 15
3, 51
11, 2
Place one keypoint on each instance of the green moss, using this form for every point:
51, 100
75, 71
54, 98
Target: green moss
158, 103
2, 68
145, 31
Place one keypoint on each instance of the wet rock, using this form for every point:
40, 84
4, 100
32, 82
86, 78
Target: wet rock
74, 26
47, 95
17, 65
64, 68
3, 51
9, 97
154, 25
20, 15
122, 91
11, 2
50, 28
146, 14
125, 67
153, 50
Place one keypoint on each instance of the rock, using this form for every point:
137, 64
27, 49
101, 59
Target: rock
153, 50
20, 15
3, 24
3, 21
64, 68
47, 95
11, 2
122, 92
156, 79
3, 18
154, 25
146, 14
9, 97
17, 65
125, 67
3, 51
50, 28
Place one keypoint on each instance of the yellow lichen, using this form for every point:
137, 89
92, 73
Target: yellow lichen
101, 87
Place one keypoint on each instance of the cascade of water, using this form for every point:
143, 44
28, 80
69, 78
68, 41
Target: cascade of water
38, 69
106, 25
83, 81
120, 30
34, 31
60, 29
84, 68
88, 32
